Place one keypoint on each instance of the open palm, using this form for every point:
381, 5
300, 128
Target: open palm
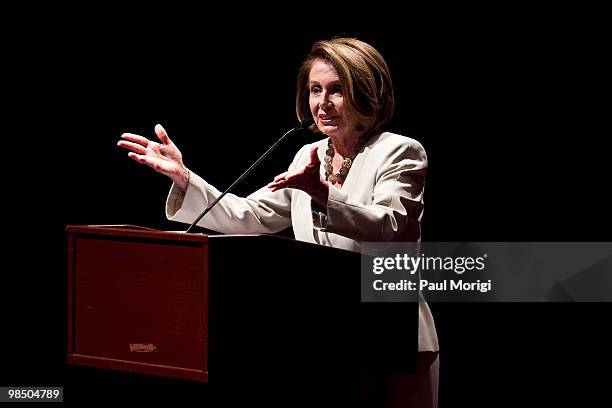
306, 178
164, 157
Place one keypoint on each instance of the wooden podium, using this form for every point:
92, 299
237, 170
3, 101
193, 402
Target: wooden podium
200, 307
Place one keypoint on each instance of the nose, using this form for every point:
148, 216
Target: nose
324, 102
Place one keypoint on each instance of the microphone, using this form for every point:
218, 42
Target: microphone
304, 124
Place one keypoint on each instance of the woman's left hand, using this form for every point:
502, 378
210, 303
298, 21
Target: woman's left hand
306, 178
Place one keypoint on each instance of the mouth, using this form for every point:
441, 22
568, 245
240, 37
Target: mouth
327, 119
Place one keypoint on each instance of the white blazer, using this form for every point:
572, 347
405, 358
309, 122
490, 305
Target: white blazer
381, 200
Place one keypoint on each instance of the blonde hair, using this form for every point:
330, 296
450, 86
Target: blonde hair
365, 77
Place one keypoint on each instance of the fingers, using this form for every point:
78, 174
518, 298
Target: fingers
141, 140
291, 182
143, 160
287, 180
162, 135
277, 184
281, 176
136, 157
314, 155
134, 147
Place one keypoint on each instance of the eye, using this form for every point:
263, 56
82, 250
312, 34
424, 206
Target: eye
316, 89
336, 89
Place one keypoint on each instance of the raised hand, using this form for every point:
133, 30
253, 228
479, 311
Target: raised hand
164, 157
306, 178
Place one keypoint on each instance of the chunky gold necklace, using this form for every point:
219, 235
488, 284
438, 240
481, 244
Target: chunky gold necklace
346, 163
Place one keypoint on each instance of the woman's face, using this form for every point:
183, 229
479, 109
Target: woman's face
327, 101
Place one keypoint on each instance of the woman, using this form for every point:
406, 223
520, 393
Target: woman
358, 184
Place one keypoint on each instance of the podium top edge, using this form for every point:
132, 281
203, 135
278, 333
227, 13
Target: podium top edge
135, 231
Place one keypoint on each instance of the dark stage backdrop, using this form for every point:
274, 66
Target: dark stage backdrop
506, 101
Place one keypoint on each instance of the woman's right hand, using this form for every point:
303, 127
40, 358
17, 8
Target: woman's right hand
164, 157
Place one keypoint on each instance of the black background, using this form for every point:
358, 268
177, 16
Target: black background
508, 101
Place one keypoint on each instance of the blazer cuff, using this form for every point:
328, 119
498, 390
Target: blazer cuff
181, 206
174, 201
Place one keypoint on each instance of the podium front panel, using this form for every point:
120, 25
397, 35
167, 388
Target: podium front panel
139, 305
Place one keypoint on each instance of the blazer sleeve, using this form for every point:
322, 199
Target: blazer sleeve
396, 207
263, 211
